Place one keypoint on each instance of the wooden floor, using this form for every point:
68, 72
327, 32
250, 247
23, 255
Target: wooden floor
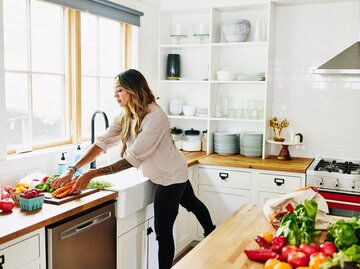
185, 251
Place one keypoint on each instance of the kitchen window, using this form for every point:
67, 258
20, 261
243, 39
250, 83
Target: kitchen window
44, 107
102, 58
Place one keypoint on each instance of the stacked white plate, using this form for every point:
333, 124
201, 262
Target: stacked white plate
226, 143
251, 144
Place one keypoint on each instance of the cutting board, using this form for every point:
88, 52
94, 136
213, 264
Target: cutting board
58, 201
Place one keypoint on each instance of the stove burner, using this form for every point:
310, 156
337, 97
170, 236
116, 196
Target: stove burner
333, 166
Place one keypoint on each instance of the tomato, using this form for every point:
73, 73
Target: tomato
322, 255
308, 249
282, 265
298, 259
328, 248
285, 251
4, 194
8, 189
6, 204
268, 237
270, 263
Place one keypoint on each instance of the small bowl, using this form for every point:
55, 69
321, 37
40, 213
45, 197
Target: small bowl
32, 203
225, 75
189, 110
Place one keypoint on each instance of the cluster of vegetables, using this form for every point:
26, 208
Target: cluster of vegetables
293, 244
345, 233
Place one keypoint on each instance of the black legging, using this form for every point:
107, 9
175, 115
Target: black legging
166, 205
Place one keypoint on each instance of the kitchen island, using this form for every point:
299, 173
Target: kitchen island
224, 247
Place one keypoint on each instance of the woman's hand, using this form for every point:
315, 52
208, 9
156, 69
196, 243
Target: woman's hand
83, 180
64, 179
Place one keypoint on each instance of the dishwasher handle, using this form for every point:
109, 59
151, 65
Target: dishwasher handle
85, 225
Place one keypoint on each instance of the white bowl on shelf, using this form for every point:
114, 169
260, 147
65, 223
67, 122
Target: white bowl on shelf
225, 75
189, 110
236, 30
176, 106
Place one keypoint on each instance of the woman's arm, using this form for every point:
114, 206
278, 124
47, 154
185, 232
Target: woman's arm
91, 154
83, 180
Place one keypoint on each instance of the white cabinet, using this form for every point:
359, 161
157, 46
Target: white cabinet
223, 190
27, 251
272, 184
196, 35
137, 247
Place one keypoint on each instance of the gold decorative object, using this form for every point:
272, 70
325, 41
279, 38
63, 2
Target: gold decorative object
277, 128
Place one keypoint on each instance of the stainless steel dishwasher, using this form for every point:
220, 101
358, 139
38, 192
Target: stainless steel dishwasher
84, 241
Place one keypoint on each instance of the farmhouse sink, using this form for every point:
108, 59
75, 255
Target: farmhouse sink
135, 191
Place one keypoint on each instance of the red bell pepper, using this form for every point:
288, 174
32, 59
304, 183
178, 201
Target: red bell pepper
262, 242
260, 254
278, 243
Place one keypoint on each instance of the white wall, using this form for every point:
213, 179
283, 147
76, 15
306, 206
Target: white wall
324, 108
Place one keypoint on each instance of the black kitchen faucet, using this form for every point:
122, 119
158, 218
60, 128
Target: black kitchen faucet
93, 164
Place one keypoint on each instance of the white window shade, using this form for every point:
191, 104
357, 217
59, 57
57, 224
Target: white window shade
103, 8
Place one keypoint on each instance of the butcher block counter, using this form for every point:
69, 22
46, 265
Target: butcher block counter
20, 222
224, 247
295, 165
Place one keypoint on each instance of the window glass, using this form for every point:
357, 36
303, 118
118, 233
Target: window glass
48, 106
15, 44
88, 104
101, 61
107, 101
110, 47
88, 44
17, 109
46, 37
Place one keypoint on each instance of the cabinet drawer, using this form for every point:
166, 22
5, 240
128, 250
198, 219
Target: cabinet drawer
278, 182
225, 178
21, 253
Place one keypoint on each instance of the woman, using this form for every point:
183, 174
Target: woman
143, 129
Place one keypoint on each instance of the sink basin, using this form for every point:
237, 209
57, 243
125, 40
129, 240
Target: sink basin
135, 191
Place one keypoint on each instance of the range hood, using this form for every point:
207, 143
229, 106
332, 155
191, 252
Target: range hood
346, 62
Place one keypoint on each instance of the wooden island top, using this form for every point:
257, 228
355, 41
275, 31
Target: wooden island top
224, 247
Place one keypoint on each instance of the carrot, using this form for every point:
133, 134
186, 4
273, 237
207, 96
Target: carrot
63, 188
64, 193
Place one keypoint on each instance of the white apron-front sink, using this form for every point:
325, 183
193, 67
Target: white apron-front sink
135, 191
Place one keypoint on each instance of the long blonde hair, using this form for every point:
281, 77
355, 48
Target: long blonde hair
137, 108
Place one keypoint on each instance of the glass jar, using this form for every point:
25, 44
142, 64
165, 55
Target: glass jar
204, 141
192, 140
177, 137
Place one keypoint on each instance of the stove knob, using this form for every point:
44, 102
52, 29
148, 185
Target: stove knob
337, 185
353, 186
321, 182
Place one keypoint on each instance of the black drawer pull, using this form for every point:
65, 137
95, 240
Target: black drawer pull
223, 176
279, 181
2, 261
149, 230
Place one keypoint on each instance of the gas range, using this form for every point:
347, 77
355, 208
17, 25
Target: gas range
334, 175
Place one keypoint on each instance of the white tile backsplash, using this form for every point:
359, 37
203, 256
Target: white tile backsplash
324, 108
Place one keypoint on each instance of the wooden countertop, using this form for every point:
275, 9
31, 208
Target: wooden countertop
295, 165
20, 222
224, 247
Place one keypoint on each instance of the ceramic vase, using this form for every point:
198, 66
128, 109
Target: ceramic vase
173, 66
